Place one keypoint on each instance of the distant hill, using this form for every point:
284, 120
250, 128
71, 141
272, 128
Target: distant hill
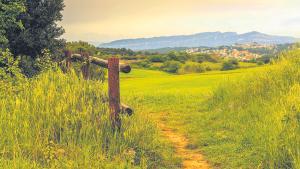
164, 50
208, 39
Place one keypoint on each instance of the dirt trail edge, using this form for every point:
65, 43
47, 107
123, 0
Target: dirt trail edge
192, 159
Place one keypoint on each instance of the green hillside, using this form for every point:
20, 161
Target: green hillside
238, 119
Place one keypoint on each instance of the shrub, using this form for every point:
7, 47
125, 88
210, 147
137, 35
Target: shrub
260, 63
44, 62
200, 58
81, 46
230, 64
9, 67
144, 64
171, 66
156, 58
129, 57
177, 56
33, 66
191, 67
266, 59
209, 66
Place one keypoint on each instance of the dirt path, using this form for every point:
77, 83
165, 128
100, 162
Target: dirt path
192, 159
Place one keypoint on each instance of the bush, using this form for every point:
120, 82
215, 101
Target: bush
81, 46
177, 56
266, 59
9, 67
200, 58
44, 62
156, 58
171, 66
33, 66
191, 67
230, 65
129, 57
144, 64
260, 63
209, 66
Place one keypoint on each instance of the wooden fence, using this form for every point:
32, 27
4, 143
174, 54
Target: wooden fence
114, 68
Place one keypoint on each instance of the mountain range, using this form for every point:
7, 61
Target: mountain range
206, 39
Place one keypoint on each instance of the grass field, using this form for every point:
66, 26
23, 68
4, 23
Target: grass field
59, 120
179, 101
247, 118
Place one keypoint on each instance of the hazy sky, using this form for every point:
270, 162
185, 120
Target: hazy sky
106, 20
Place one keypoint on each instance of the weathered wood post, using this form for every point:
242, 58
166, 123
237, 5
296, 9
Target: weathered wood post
114, 69
68, 55
114, 92
86, 67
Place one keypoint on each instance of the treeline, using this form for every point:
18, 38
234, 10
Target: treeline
182, 62
177, 62
81, 46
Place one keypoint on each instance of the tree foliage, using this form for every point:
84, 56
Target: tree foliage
117, 51
171, 66
9, 11
40, 28
177, 56
82, 46
9, 67
230, 64
200, 58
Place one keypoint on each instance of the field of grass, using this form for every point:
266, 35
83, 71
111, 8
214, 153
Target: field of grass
61, 121
246, 118
260, 116
247, 65
177, 100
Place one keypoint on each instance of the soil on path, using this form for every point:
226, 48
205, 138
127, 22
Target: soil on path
192, 159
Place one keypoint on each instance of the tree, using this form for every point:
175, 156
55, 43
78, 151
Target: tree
230, 64
156, 58
82, 46
40, 29
9, 11
177, 56
171, 66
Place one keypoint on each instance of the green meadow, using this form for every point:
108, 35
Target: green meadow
226, 101
246, 118
180, 102
59, 120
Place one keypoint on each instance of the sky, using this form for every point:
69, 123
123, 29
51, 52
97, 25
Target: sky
99, 21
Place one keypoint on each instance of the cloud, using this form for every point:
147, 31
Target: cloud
295, 21
106, 20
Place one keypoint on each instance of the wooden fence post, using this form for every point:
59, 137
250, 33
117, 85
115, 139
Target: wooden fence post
86, 67
114, 69
68, 55
114, 92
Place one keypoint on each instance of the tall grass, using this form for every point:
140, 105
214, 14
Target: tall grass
61, 121
260, 115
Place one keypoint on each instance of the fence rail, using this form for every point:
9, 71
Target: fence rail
100, 62
114, 68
